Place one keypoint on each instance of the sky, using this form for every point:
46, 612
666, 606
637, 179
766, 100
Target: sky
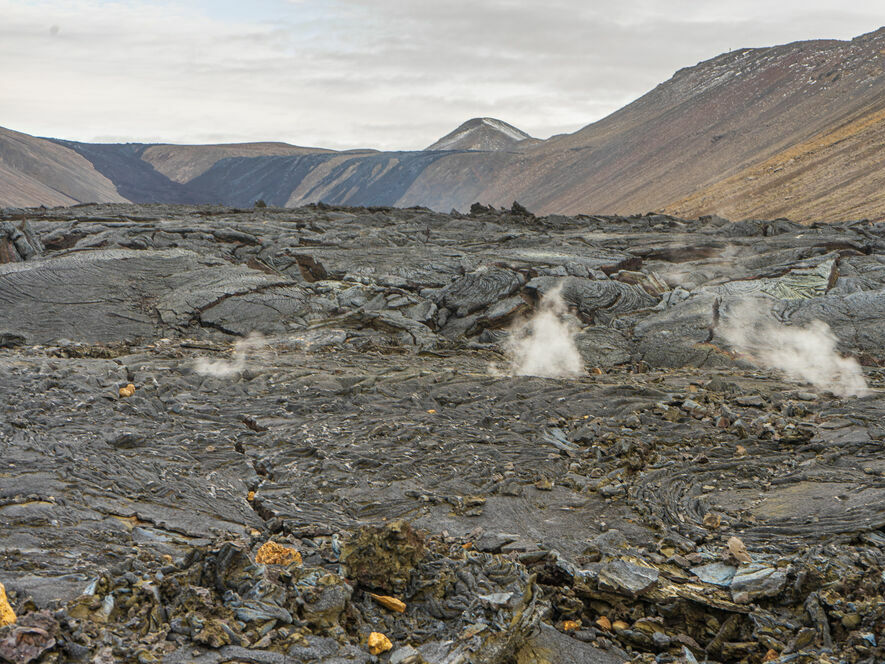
384, 74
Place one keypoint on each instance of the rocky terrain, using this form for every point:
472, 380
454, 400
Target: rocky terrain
308, 435
794, 131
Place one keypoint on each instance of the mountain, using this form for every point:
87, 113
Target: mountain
796, 130
483, 134
793, 130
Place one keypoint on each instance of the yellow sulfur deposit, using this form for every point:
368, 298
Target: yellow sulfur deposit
388, 602
378, 643
7, 615
127, 391
272, 553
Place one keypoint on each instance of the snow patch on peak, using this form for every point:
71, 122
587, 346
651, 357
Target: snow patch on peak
482, 134
504, 128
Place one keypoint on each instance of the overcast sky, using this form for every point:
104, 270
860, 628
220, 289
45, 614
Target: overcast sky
387, 74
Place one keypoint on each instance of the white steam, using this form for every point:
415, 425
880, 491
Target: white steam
237, 364
544, 345
803, 353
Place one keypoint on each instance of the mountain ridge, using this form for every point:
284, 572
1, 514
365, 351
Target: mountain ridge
794, 130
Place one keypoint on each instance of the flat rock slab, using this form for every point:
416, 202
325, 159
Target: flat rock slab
116, 294
718, 574
627, 578
753, 582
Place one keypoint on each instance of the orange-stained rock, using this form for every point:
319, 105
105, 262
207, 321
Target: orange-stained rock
127, 391
7, 615
272, 553
389, 602
604, 623
378, 643
570, 625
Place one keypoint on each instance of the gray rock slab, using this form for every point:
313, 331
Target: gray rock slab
627, 578
116, 295
717, 574
754, 582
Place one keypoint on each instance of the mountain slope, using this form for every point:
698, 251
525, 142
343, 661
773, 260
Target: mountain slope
482, 134
373, 178
836, 174
708, 124
147, 173
34, 172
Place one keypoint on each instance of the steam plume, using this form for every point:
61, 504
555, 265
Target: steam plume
803, 353
237, 364
544, 345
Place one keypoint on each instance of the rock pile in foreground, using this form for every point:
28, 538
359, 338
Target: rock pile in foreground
366, 480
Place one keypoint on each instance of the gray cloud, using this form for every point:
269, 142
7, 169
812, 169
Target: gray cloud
388, 74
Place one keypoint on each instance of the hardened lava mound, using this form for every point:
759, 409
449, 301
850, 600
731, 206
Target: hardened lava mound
301, 435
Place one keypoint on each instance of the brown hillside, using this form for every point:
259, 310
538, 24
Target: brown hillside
837, 174
707, 124
34, 172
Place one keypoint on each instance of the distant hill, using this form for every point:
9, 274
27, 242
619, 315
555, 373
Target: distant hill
794, 131
182, 163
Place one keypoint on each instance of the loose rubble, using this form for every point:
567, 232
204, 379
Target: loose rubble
368, 482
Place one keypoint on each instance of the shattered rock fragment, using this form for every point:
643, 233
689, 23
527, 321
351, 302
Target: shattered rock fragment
273, 553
